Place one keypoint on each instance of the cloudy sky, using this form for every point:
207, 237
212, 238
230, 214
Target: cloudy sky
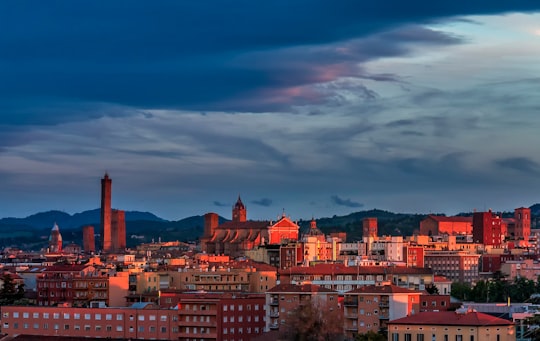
318, 108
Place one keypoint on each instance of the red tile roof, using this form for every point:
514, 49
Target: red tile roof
292, 288
451, 318
335, 269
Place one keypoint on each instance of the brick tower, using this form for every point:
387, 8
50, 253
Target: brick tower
118, 230
522, 229
89, 244
106, 236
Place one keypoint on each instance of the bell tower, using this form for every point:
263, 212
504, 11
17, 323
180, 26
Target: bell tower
239, 212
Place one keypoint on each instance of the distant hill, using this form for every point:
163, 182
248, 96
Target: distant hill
32, 232
65, 220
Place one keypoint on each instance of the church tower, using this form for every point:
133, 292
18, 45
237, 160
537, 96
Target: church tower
239, 213
55, 240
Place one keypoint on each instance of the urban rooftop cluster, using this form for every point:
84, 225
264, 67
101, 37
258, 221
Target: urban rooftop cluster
460, 278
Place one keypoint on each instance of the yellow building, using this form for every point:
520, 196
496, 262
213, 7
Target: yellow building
461, 325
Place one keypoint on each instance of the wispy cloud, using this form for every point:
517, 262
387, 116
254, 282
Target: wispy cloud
345, 202
263, 202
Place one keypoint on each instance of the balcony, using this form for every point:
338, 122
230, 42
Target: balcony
351, 328
274, 313
384, 317
351, 302
384, 304
274, 326
274, 301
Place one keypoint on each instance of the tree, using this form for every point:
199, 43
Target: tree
461, 291
9, 293
432, 289
310, 322
370, 336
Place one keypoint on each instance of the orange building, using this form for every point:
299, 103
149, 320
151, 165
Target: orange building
235, 237
435, 225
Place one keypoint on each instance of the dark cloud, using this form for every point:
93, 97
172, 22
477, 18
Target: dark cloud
197, 55
345, 202
521, 164
262, 202
220, 204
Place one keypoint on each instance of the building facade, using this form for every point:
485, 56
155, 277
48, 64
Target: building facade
461, 325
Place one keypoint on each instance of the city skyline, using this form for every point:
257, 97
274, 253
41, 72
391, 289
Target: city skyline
315, 108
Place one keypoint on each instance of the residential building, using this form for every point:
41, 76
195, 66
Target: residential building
370, 307
461, 325
142, 321
457, 266
284, 299
344, 278
487, 229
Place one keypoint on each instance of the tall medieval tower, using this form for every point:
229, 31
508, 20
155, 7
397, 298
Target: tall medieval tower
106, 236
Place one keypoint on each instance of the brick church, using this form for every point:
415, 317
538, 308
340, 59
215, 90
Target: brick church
235, 237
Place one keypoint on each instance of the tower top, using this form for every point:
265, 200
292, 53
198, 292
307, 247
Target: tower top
239, 203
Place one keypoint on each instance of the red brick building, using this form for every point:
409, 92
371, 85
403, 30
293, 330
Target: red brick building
77, 285
217, 316
487, 229
286, 298
370, 307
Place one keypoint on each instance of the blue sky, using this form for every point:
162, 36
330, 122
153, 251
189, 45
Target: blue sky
312, 107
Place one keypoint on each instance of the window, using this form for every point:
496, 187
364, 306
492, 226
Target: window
119, 317
408, 337
35, 315
25, 315
77, 327
87, 316
420, 337
56, 316
66, 316
459, 337
152, 317
118, 328
163, 318
16, 314
98, 317
77, 316
141, 317
108, 317
66, 326
141, 329
395, 337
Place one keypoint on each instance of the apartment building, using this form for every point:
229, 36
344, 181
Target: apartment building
284, 299
217, 316
138, 322
455, 265
342, 278
370, 307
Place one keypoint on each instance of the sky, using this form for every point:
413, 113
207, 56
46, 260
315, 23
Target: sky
310, 108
